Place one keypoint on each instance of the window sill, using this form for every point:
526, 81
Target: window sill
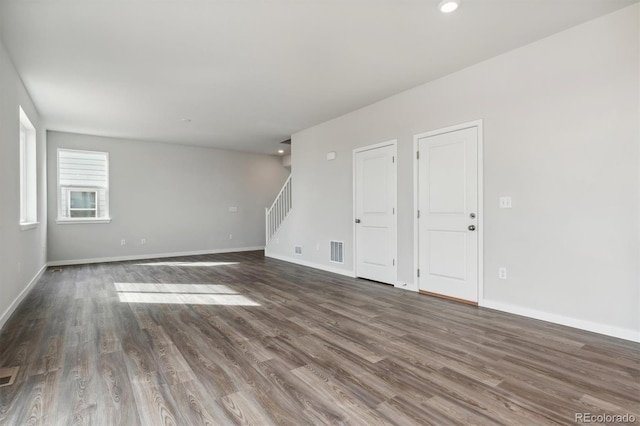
25, 226
77, 221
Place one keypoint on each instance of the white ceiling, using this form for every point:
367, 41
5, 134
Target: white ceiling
249, 73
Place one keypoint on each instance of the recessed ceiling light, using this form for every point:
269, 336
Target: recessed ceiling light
448, 6
281, 151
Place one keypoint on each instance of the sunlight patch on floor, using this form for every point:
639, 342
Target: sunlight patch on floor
181, 294
174, 288
187, 264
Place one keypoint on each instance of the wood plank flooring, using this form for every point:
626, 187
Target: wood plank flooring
239, 339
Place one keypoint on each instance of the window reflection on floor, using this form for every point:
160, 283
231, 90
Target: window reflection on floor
188, 264
181, 294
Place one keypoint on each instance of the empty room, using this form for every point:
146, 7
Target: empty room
306, 212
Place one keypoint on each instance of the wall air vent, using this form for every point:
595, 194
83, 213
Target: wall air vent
337, 251
297, 250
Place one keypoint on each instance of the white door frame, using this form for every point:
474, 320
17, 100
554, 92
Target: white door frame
394, 143
416, 236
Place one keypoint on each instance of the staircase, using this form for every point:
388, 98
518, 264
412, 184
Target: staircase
277, 213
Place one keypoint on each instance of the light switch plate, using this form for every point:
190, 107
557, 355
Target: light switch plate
505, 202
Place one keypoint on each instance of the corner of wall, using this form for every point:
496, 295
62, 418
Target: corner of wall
16, 302
22, 251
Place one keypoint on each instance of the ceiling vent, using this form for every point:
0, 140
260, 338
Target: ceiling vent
337, 251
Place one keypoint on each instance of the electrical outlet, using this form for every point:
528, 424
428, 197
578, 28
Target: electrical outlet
123, 242
505, 202
230, 236
143, 241
502, 273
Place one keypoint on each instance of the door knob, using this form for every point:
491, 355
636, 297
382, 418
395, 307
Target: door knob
472, 227
357, 220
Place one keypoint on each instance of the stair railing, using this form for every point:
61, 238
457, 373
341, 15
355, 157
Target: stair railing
276, 214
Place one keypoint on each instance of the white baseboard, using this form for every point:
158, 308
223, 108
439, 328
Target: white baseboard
311, 264
7, 313
621, 333
149, 256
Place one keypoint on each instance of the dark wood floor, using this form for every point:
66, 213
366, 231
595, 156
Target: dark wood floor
240, 339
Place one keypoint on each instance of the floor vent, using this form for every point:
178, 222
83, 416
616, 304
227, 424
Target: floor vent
8, 376
297, 250
56, 269
337, 251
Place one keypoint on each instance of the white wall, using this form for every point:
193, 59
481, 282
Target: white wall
22, 253
638, 12
561, 133
176, 197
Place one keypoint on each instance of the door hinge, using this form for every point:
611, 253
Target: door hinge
417, 155
394, 262
393, 210
418, 214
393, 159
418, 272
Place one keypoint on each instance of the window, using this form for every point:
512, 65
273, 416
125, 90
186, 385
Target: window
82, 203
83, 186
28, 179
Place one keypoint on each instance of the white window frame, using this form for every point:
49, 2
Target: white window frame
76, 220
28, 174
69, 208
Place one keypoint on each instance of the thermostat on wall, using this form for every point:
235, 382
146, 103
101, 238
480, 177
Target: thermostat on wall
331, 155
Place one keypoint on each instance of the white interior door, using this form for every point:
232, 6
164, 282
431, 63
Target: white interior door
375, 215
448, 214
